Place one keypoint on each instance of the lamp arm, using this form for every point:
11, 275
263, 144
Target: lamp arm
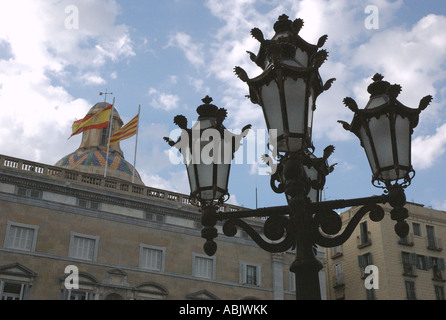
282, 226
343, 203
376, 214
330, 223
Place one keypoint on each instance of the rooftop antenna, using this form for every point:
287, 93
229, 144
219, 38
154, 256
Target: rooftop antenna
105, 94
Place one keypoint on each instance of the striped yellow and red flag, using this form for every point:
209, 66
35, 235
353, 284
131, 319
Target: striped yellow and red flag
98, 120
127, 131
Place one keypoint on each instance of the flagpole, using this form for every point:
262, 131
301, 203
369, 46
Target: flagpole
136, 146
110, 123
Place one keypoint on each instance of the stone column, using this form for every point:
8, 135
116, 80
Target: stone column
277, 270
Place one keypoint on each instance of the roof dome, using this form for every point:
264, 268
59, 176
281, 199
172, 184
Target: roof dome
93, 161
91, 155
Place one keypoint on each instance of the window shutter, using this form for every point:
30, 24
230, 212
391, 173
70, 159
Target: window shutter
428, 262
441, 262
26, 291
242, 273
259, 276
413, 258
361, 261
195, 267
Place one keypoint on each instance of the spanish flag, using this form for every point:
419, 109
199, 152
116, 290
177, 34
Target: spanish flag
127, 131
98, 120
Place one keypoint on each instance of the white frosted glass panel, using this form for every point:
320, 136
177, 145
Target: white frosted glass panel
271, 107
380, 130
205, 176
311, 173
191, 175
376, 102
368, 149
302, 57
222, 177
403, 140
313, 195
295, 101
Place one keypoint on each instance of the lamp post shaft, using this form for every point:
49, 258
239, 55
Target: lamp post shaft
306, 266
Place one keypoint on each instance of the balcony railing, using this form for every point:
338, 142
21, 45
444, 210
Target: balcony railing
409, 270
407, 241
434, 243
58, 173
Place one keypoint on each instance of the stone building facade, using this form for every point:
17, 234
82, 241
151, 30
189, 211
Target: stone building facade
69, 232
406, 268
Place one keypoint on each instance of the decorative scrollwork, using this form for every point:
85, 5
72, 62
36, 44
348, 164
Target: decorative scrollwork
329, 221
276, 228
386, 185
325, 218
280, 188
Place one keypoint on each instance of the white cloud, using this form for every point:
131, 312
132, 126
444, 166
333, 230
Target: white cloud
92, 79
427, 149
161, 100
192, 50
36, 114
176, 182
408, 57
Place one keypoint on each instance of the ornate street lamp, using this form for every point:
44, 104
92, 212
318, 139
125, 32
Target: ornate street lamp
287, 90
207, 149
290, 83
384, 128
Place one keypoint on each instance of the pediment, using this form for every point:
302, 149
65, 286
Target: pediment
117, 271
84, 278
202, 295
17, 270
152, 288
116, 277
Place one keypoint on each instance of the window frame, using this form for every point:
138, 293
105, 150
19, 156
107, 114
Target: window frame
439, 292
195, 257
9, 225
24, 287
416, 227
338, 276
410, 290
28, 193
243, 265
88, 204
71, 252
142, 265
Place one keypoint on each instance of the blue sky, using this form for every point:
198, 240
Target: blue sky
167, 55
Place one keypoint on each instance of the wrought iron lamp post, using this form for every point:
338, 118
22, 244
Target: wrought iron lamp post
287, 91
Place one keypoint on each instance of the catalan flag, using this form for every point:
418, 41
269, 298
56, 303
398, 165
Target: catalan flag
98, 120
127, 131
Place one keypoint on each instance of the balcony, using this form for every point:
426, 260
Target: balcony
364, 240
409, 270
407, 241
437, 275
434, 243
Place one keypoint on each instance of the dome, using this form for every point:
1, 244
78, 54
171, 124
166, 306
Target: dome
91, 155
93, 161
